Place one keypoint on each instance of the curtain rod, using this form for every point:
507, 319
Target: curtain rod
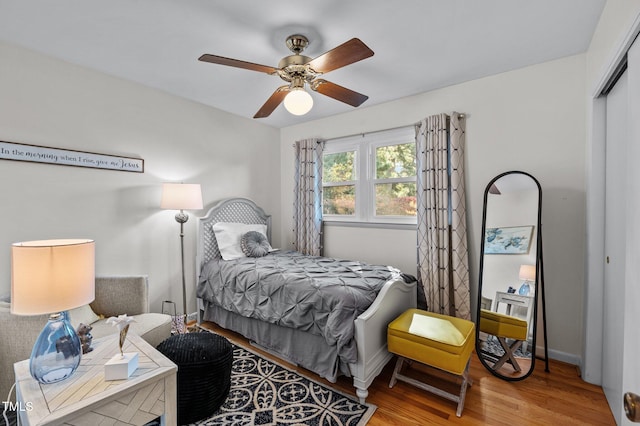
382, 130
375, 131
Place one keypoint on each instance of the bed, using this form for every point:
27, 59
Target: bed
328, 339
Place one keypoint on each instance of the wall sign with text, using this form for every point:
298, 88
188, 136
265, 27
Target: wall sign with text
66, 157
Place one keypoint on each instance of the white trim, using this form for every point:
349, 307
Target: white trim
559, 356
618, 56
378, 225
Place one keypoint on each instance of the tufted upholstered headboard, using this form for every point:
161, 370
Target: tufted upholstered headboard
238, 210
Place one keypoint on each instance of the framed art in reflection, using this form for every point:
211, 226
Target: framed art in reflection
508, 240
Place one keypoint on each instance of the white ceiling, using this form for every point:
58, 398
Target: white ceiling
419, 45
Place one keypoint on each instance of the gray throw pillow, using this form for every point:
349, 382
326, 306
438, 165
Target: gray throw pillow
254, 244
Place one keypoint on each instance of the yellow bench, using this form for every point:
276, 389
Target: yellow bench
504, 327
435, 340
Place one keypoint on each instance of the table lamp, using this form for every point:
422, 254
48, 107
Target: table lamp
182, 196
51, 277
527, 275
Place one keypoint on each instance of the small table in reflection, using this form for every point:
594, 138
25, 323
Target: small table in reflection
515, 299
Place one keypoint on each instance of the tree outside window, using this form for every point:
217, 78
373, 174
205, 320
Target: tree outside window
339, 188
395, 183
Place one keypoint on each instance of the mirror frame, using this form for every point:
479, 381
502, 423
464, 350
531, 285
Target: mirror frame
538, 286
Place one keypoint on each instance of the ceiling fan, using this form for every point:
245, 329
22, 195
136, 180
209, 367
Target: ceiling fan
298, 70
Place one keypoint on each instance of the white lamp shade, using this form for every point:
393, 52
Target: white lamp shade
52, 276
298, 102
528, 272
181, 196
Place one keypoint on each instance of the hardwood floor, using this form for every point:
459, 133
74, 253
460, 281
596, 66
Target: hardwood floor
559, 397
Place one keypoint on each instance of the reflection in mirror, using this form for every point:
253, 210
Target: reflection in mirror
510, 257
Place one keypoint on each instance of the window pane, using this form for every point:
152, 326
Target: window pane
396, 199
396, 161
339, 200
338, 167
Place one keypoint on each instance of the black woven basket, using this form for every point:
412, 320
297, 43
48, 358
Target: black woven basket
204, 372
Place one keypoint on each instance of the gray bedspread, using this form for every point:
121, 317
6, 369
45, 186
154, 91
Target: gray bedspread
319, 295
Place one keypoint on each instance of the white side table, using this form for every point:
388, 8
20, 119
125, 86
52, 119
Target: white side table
86, 398
515, 299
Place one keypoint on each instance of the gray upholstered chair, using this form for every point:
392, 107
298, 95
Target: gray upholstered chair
115, 295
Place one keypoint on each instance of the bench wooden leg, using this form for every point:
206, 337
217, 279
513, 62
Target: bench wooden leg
466, 381
508, 354
394, 376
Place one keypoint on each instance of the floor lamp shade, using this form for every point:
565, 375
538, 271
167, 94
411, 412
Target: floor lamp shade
181, 196
51, 277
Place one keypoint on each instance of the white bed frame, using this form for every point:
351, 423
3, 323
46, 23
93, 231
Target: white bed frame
370, 327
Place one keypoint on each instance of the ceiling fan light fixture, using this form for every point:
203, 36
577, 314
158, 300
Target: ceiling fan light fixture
299, 70
298, 101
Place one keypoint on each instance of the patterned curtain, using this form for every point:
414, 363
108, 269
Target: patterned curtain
443, 264
307, 202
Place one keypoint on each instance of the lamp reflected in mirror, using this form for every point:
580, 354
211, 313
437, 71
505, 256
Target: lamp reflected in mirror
527, 276
510, 276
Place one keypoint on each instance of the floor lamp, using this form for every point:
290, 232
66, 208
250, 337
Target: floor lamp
182, 196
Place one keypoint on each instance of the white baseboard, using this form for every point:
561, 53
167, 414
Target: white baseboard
560, 356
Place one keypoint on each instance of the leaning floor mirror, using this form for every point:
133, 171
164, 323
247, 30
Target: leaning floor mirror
511, 279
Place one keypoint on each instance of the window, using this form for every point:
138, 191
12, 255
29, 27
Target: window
370, 178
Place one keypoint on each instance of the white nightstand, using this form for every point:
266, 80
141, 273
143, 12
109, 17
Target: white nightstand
86, 398
515, 299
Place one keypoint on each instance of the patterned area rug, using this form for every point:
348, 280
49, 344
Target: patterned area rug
266, 393
9, 418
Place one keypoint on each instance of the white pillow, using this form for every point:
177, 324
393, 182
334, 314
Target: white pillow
435, 329
229, 234
84, 314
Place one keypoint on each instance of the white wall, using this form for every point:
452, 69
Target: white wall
52, 103
532, 119
617, 27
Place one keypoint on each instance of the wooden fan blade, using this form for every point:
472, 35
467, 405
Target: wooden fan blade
347, 53
237, 63
272, 103
337, 92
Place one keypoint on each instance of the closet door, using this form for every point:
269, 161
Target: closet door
631, 371
621, 339
615, 245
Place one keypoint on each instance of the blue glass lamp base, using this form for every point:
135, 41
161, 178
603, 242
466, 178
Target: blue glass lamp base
525, 288
57, 351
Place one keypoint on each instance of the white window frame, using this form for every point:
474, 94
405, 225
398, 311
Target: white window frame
365, 146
